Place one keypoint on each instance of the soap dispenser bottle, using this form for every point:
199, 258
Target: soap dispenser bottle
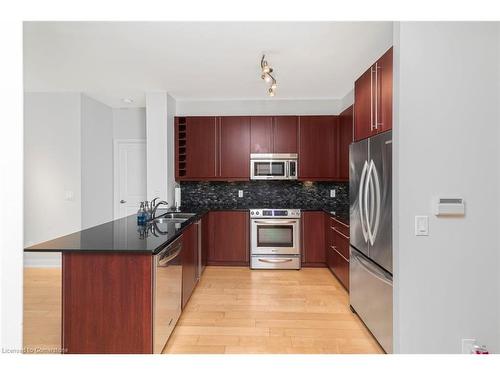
140, 215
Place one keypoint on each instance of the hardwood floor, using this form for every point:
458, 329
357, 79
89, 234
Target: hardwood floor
232, 310
238, 310
42, 310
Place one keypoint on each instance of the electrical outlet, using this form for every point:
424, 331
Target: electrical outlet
332, 193
467, 345
240, 193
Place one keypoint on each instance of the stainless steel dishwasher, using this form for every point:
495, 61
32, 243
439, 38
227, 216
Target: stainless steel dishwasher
167, 299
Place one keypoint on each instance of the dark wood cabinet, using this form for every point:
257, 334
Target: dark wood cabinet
373, 99
273, 134
317, 148
313, 239
337, 249
189, 262
234, 148
229, 238
344, 139
285, 133
384, 85
261, 134
201, 145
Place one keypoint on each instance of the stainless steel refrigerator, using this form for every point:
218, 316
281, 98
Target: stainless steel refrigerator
370, 267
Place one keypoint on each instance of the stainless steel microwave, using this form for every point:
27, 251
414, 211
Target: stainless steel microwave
273, 166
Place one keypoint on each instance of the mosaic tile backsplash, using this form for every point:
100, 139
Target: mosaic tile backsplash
266, 194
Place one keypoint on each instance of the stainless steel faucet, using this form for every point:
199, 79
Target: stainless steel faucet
155, 207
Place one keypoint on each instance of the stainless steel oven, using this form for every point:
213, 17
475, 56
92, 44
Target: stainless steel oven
275, 238
273, 166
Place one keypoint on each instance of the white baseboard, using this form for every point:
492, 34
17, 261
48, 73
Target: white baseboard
42, 260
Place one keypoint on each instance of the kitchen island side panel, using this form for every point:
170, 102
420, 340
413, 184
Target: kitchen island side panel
106, 303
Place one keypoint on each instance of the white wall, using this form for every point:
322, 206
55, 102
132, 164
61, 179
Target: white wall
447, 285
273, 106
347, 100
171, 113
52, 160
129, 123
156, 145
97, 162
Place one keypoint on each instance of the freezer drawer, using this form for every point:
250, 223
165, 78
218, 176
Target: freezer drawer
370, 294
282, 262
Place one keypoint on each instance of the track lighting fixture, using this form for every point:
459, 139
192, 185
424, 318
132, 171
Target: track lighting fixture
267, 76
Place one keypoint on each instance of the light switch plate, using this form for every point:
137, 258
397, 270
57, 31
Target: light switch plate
421, 225
240, 193
332, 193
69, 195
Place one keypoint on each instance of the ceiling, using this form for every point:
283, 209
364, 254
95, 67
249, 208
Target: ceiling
199, 60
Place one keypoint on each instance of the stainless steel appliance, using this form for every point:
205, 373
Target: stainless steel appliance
167, 282
370, 267
273, 166
274, 239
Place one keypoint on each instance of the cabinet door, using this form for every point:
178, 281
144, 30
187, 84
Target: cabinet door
230, 240
261, 133
344, 140
234, 148
384, 92
285, 131
313, 238
317, 147
189, 251
201, 142
363, 106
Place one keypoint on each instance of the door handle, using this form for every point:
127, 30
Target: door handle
361, 199
377, 274
365, 197
123, 201
275, 260
377, 202
275, 221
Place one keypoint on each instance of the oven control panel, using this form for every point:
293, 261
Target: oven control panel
276, 213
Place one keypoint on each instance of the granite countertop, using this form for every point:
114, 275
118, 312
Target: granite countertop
124, 235
121, 235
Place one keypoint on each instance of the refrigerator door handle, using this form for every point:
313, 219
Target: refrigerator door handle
365, 198
361, 199
371, 270
377, 202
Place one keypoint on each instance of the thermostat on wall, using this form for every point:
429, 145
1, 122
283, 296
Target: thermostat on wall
450, 207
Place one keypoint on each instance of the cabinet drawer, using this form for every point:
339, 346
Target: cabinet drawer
341, 227
340, 243
339, 266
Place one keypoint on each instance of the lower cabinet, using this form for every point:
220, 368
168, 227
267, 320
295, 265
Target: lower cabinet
228, 238
313, 239
337, 249
189, 262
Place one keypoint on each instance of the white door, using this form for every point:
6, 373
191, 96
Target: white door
129, 176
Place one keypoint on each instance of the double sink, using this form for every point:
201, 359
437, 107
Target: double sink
173, 217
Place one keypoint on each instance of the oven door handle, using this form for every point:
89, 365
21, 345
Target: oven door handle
276, 221
267, 260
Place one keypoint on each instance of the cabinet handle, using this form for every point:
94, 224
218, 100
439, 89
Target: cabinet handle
338, 252
339, 232
371, 98
376, 97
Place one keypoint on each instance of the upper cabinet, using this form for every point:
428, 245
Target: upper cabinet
201, 141
318, 148
273, 134
373, 99
212, 148
344, 138
234, 147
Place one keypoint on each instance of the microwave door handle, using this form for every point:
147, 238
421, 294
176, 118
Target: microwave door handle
287, 169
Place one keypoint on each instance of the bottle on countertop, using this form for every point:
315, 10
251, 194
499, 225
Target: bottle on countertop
147, 212
141, 215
